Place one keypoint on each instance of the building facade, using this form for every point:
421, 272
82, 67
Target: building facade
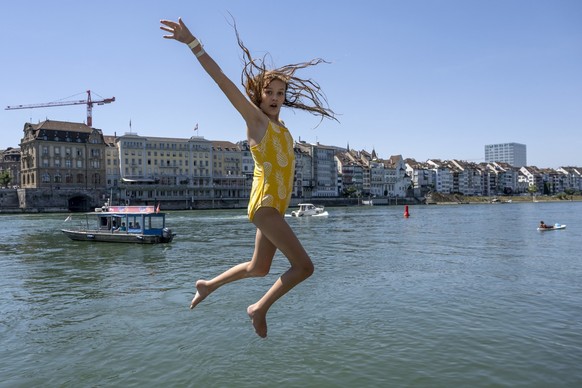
514, 154
62, 154
10, 166
70, 166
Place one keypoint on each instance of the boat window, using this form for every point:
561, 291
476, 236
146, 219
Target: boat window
154, 222
104, 222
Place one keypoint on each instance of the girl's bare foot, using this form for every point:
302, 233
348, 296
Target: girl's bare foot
202, 291
259, 320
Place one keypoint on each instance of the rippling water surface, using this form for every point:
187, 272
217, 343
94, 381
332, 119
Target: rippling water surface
467, 295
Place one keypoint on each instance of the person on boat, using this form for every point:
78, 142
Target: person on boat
543, 225
122, 228
272, 150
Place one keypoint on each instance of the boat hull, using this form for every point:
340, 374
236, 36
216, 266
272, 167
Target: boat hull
117, 237
555, 227
124, 224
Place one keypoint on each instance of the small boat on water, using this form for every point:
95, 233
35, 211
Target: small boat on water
123, 224
368, 202
554, 227
309, 210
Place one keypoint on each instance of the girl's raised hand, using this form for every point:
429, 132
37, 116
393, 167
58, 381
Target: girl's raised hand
178, 31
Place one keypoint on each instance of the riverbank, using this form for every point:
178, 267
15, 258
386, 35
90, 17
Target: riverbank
439, 199
433, 199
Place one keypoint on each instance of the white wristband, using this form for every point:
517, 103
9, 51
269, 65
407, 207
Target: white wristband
200, 53
194, 43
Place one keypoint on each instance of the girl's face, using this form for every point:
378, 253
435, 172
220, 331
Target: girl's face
272, 98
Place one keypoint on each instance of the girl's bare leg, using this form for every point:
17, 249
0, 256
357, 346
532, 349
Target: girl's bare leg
259, 265
274, 228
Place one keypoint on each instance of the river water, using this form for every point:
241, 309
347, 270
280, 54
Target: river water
456, 295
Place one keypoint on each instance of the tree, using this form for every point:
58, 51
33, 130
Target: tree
532, 189
570, 191
5, 179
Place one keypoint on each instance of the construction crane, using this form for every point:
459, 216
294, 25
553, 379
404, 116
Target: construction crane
89, 102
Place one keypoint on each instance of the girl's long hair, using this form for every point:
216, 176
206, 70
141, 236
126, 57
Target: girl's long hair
304, 94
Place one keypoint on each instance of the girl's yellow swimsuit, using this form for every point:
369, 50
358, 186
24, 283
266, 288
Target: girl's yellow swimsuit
274, 171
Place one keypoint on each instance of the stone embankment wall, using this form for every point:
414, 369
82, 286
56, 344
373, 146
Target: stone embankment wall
50, 200
9, 200
60, 200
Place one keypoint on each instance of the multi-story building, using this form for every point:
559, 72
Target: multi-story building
351, 173
62, 154
228, 180
443, 176
62, 166
396, 180
513, 153
10, 165
304, 182
173, 170
573, 176
323, 167
468, 177
506, 177
422, 177
533, 177
112, 171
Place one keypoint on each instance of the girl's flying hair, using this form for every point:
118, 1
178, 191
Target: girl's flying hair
304, 94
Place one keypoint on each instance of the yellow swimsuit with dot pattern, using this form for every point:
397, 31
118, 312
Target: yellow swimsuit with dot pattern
274, 171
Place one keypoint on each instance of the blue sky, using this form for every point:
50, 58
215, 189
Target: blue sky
420, 78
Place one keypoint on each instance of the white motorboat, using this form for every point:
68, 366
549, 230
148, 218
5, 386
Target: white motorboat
309, 210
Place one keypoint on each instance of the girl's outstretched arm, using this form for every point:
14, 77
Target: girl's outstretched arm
255, 119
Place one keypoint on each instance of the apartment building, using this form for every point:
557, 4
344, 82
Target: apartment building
58, 154
514, 154
10, 165
154, 169
323, 168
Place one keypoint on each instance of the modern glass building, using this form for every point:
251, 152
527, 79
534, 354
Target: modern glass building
514, 154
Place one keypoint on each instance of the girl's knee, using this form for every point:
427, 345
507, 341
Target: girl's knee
256, 270
307, 268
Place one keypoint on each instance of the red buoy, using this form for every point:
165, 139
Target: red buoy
406, 214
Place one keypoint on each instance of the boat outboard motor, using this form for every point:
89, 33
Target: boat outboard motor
167, 233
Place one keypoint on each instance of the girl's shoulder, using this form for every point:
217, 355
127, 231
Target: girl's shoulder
278, 125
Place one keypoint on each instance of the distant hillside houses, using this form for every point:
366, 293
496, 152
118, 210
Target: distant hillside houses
64, 155
486, 179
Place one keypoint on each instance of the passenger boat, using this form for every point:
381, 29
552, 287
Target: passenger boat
308, 209
555, 227
124, 224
